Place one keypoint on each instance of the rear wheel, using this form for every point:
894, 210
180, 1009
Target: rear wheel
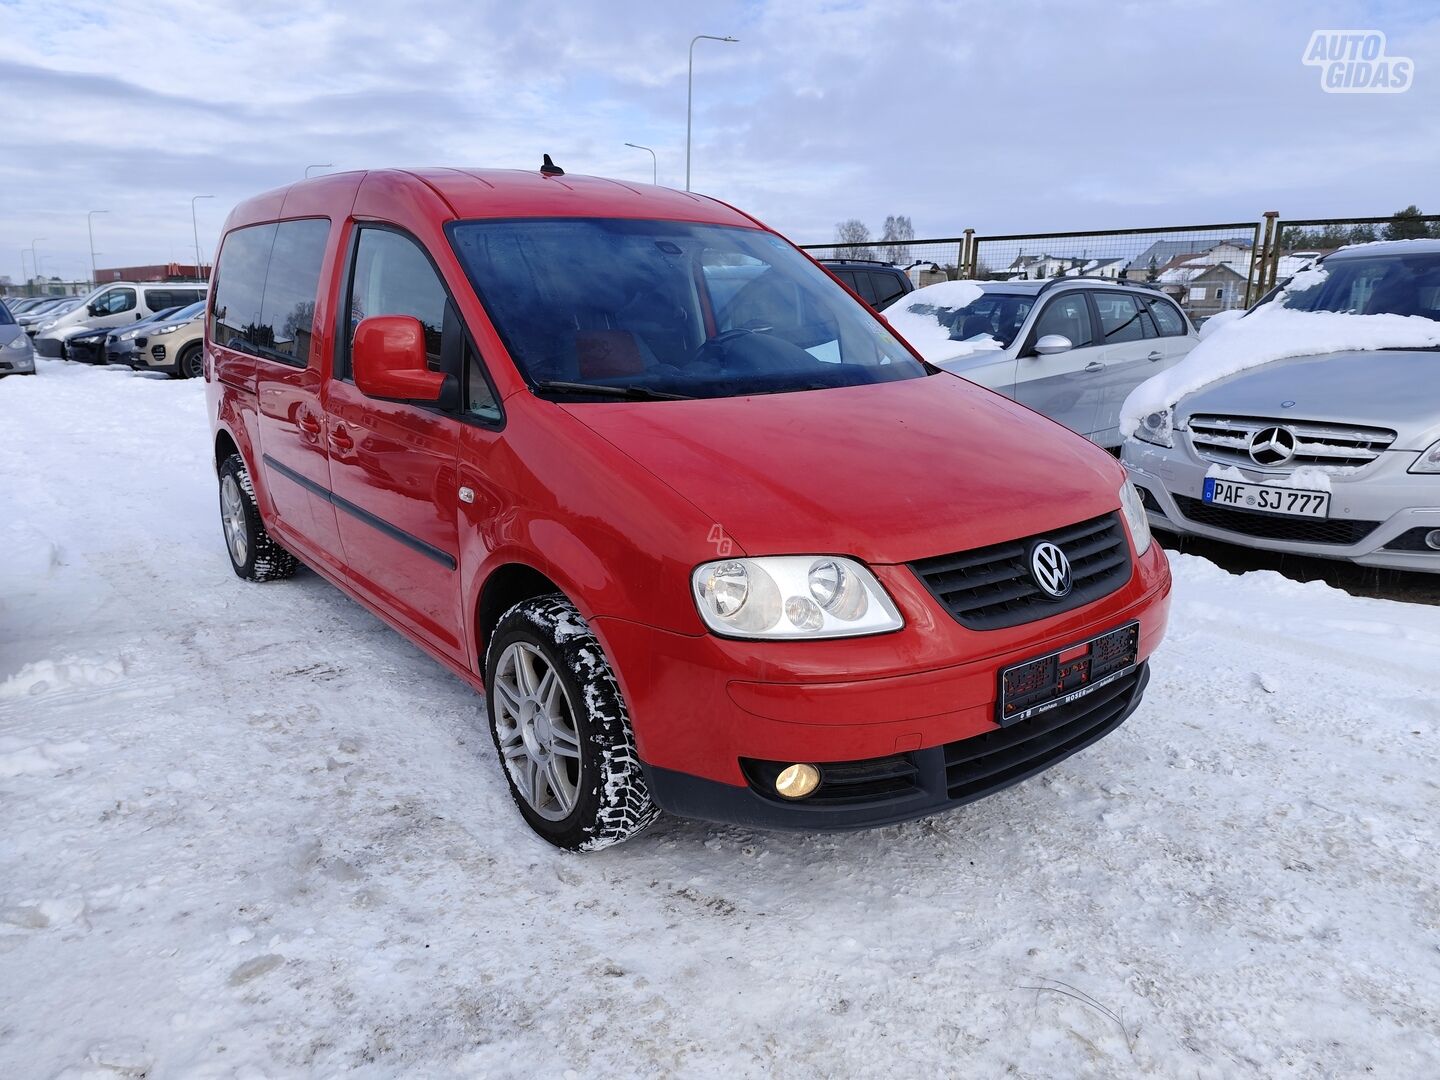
253, 554
191, 364
561, 729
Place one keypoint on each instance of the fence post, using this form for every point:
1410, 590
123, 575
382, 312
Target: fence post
967, 255
1263, 259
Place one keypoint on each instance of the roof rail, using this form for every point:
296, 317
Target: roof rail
1082, 279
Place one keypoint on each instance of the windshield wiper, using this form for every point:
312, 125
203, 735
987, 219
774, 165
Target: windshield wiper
629, 393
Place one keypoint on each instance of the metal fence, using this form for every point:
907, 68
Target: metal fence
1207, 268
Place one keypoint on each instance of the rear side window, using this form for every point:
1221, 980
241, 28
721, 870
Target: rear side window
160, 299
1168, 318
888, 288
240, 285
265, 288
1119, 317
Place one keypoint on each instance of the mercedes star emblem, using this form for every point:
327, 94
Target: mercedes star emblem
1272, 446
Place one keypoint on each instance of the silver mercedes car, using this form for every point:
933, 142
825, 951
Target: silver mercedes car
1335, 455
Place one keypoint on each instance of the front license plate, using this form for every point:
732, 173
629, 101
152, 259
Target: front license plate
1047, 682
1267, 498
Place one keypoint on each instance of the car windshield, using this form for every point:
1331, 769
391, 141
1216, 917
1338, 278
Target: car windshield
1394, 284
185, 314
6, 319
995, 315
670, 309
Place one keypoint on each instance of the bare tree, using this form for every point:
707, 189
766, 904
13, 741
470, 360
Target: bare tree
854, 232
896, 236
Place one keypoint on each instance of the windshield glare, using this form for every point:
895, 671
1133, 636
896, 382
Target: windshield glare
672, 307
1382, 285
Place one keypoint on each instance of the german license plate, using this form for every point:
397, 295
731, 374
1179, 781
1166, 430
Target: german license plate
1047, 682
1267, 498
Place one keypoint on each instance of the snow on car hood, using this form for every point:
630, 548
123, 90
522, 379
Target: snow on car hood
886, 472
913, 318
1267, 334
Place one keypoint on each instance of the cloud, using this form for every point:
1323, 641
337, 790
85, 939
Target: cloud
1012, 117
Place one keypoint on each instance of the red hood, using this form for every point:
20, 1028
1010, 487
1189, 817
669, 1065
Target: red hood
887, 473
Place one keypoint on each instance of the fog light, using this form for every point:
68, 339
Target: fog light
1432, 539
797, 781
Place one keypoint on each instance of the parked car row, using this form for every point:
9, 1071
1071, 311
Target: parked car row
156, 326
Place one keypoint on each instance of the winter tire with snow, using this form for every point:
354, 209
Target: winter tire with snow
253, 554
561, 728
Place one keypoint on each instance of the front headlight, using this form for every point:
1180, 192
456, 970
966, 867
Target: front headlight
1429, 461
792, 596
1156, 429
131, 335
21, 342
48, 325
168, 329
1135, 517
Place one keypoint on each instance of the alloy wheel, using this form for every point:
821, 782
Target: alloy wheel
232, 517
535, 724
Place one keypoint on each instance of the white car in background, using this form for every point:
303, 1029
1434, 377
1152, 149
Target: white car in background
114, 305
1071, 348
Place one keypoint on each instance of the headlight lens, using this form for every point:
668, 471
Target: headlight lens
1135, 517
21, 342
1156, 428
1429, 461
131, 335
168, 328
793, 596
48, 325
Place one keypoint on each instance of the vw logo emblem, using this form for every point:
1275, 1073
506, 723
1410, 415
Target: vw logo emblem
1050, 569
1272, 446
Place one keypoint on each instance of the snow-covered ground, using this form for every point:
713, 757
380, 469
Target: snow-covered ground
249, 831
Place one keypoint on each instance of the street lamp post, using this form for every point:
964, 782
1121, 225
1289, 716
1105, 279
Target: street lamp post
199, 269
35, 256
90, 228
654, 165
690, 94
23, 253
327, 165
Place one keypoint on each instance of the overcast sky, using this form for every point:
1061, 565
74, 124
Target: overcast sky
1005, 116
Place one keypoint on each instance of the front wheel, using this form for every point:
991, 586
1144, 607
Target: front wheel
191, 364
253, 554
561, 729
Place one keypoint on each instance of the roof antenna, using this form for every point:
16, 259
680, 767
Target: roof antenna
549, 168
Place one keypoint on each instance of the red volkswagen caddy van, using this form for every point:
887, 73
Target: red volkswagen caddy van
709, 535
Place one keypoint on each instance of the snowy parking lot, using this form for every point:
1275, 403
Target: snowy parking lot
249, 831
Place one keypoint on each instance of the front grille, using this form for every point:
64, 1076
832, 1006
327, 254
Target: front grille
1274, 526
991, 587
1226, 440
985, 763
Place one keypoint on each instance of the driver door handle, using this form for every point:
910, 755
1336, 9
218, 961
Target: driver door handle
1155, 356
339, 439
1094, 365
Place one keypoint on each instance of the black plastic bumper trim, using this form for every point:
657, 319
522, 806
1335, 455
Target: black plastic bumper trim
690, 796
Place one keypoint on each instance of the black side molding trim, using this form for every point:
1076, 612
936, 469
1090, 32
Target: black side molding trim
414, 543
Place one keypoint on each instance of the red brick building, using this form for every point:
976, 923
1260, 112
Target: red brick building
158, 272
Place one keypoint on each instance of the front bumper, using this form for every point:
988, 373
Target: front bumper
937, 778
1377, 514
20, 364
921, 699
52, 348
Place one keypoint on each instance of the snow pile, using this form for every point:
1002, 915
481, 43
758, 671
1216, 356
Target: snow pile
1272, 333
280, 844
916, 318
